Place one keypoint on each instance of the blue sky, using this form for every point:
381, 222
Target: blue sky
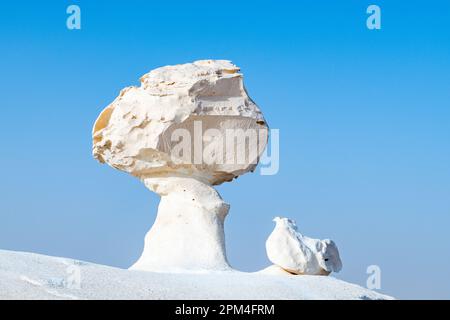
364, 119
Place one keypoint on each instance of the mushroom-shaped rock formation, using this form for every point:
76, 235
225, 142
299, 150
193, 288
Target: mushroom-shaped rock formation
184, 129
298, 254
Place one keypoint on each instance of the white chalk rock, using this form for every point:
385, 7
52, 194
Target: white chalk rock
186, 128
140, 131
298, 254
188, 233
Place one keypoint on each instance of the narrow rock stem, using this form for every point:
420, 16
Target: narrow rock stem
188, 233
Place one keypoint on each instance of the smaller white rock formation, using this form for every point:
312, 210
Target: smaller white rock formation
298, 254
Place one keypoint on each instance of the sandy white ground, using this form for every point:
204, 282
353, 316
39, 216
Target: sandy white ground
34, 276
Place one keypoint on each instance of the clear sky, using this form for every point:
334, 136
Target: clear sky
364, 119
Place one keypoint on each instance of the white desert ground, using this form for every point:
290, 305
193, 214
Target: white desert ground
35, 276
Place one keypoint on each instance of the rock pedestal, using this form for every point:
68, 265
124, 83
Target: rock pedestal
188, 232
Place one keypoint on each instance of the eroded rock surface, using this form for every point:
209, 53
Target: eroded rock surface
135, 133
